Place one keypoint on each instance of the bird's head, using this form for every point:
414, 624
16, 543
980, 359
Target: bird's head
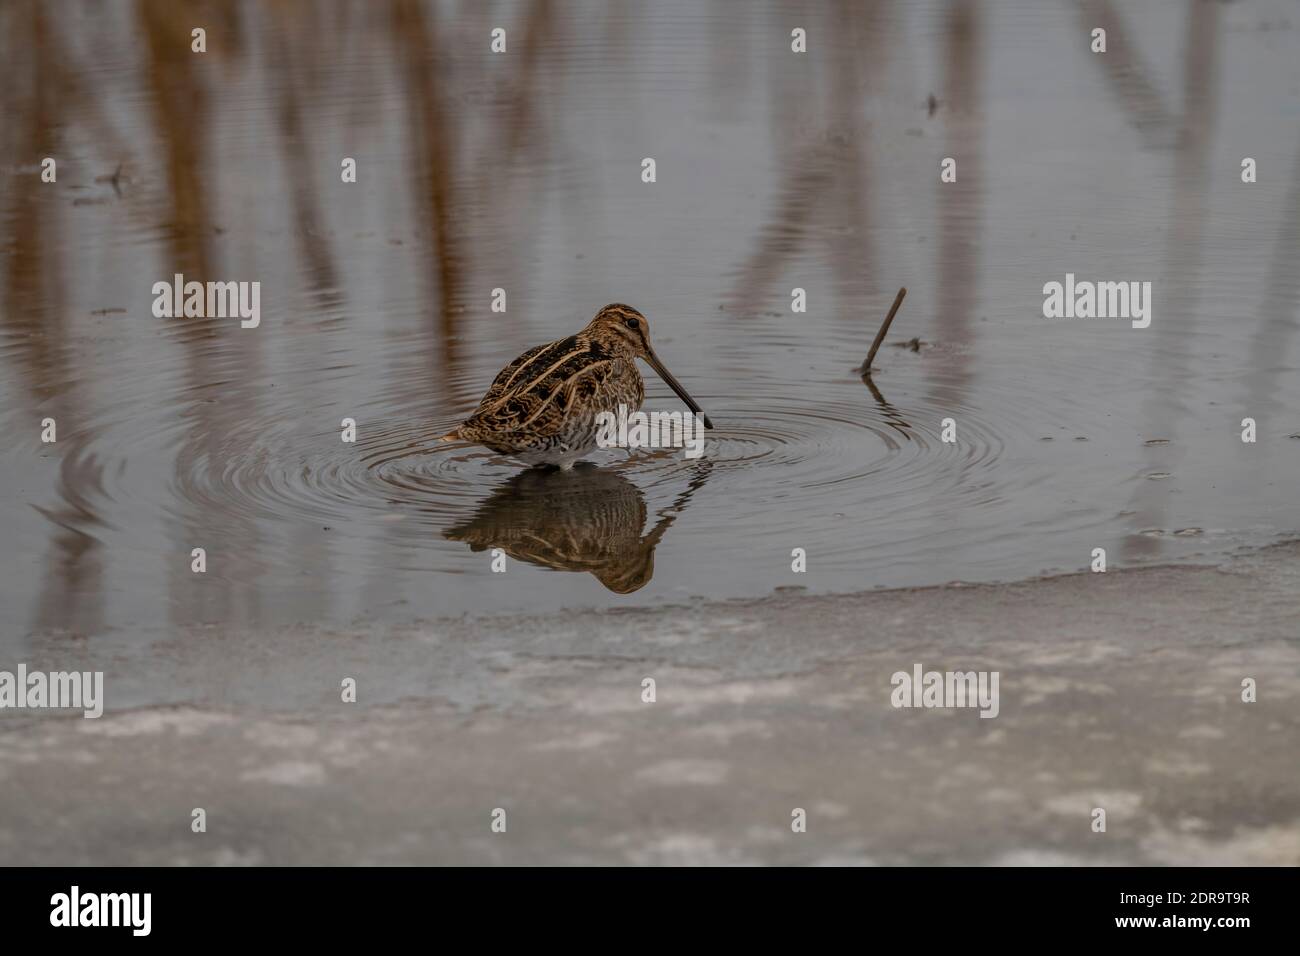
625, 329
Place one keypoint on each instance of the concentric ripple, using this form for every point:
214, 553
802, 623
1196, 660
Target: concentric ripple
807, 464
944, 466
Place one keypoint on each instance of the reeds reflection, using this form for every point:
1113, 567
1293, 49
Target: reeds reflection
1187, 136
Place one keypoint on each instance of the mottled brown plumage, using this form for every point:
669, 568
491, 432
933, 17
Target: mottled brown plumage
542, 408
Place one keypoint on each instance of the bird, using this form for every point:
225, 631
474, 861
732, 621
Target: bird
543, 407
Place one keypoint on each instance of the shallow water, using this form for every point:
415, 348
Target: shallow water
522, 171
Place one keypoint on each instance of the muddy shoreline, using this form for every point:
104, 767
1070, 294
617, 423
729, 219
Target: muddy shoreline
1119, 690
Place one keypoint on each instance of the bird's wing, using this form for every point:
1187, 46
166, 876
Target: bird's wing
507, 374
540, 394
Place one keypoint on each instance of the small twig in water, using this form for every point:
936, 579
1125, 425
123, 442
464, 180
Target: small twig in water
880, 336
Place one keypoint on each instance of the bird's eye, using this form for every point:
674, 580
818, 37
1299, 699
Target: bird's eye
632, 323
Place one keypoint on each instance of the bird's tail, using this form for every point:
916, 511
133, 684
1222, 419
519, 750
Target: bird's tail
453, 435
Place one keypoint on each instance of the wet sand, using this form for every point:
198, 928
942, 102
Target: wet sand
1118, 690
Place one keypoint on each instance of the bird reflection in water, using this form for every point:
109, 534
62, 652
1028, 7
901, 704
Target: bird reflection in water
589, 519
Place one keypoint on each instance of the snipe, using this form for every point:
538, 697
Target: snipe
542, 408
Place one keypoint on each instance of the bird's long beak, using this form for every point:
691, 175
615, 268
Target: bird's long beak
676, 386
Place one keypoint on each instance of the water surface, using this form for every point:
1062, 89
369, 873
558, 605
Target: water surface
521, 171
